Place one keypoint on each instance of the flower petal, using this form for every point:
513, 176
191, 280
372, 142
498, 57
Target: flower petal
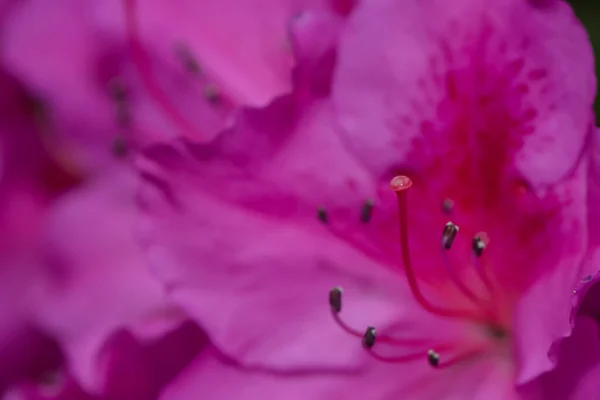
210, 375
244, 49
97, 280
466, 75
205, 211
576, 376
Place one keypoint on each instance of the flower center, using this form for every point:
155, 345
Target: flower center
483, 313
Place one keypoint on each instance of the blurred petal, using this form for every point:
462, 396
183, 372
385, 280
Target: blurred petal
97, 281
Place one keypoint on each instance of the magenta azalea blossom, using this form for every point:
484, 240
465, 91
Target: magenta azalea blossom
145, 70
458, 279
71, 272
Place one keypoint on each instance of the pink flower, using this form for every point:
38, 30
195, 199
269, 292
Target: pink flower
29, 181
141, 71
487, 107
72, 273
95, 281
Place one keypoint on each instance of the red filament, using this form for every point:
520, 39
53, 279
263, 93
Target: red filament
400, 184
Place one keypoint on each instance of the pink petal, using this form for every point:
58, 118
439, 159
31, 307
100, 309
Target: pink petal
211, 376
140, 370
130, 368
80, 82
466, 74
26, 354
576, 376
202, 221
97, 280
50, 48
244, 49
449, 130
314, 37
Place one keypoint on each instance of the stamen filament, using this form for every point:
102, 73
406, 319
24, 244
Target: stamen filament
460, 358
398, 359
380, 338
419, 355
141, 62
464, 289
400, 184
482, 274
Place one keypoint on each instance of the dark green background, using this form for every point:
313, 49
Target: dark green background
589, 12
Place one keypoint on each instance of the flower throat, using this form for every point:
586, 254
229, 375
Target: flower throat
483, 314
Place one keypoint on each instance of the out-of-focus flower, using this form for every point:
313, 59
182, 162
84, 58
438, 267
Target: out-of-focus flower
30, 179
72, 272
132, 369
155, 69
488, 107
108, 79
96, 281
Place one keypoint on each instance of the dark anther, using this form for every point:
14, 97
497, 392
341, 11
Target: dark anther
478, 246
448, 206
117, 90
119, 96
448, 235
189, 62
335, 299
212, 94
497, 332
433, 358
369, 337
322, 215
119, 147
367, 211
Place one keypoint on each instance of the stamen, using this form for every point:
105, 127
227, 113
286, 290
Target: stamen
433, 358
400, 184
366, 211
459, 283
449, 234
189, 61
212, 94
335, 299
456, 360
322, 215
448, 206
142, 63
369, 337
119, 95
479, 243
335, 302
399, 359
117, 90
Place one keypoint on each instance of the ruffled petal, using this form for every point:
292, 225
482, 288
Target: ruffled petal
244, 50
576, 376
420, 79
96, 281
97, 98
204, 211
